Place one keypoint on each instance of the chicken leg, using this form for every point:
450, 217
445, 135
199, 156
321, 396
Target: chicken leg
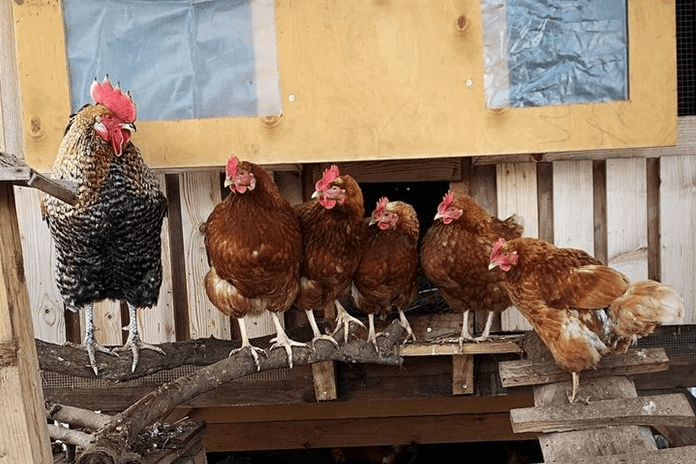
90, 344
133, 342
282, 340
247, 345
315, 329
406, 326
343, 319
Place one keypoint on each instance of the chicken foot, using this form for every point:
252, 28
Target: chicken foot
90, 344
315, 329
246, 345
282, 340
406, 326
466, 335
343, 319
134, 342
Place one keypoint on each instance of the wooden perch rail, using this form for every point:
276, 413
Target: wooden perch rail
115, 437
15, 170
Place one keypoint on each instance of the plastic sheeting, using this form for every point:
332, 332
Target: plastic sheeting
180, 59
548, 52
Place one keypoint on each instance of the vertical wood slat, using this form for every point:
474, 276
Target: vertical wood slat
156, 324
200, 192
678, 223
39, 265
627, 217
573, 208
23, 420
517, 194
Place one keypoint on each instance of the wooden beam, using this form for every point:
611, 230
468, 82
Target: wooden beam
462, 374
665, 456
636, 361
668, 410
22, 423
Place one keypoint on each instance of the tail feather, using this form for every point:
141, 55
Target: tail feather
645, 305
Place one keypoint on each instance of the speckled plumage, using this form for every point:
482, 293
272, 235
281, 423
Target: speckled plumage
108, 246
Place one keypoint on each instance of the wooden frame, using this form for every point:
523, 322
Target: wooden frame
370, 80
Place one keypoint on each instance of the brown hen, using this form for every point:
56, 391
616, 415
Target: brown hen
333, 234
564, 292
254, 248
455, 254
386, 276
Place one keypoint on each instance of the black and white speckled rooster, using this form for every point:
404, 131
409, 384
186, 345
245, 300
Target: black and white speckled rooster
108, 245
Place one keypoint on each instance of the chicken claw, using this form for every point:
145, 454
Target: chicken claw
133, 342
90, 344
406, 326
247, 345
343, 319
315, 330
282, 340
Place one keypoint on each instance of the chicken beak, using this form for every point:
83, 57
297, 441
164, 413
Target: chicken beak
228, 182
492, 265
315, 195
438, 216
129, 126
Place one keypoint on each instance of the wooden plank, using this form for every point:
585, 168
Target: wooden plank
294, 434
438, 169
156, 324
677, 223
324, 376
627, 217
23, 422
200, 192
517, 194
679, 455
566, 446
11, 137
496, 345
671, 410
635, 361
462, 374
573, 212
39, 263
418, 67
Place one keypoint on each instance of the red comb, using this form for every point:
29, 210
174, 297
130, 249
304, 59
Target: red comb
119, 103
381, 205
446, 201
232, 165
330, 175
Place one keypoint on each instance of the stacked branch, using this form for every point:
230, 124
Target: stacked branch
113, 436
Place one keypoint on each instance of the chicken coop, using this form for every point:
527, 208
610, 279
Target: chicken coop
578, 117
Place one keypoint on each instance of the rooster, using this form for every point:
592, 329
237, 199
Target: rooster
333, 232
254, 248
108, 245
455, 254
580, 308
386, 275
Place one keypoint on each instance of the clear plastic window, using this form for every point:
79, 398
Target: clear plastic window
180, 59
554, 52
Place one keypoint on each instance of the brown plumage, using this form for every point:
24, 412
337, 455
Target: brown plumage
254, 247
455, 254
108, 245
563, 293
386, 275
333, 233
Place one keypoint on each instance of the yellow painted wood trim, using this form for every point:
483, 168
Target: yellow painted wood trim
366, 80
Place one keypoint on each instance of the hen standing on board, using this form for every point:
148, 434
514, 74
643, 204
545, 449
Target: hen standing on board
386, 276
333, 232
455, 255
108, 245
254, 247
563, 293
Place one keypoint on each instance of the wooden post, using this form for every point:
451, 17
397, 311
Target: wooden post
23, 420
